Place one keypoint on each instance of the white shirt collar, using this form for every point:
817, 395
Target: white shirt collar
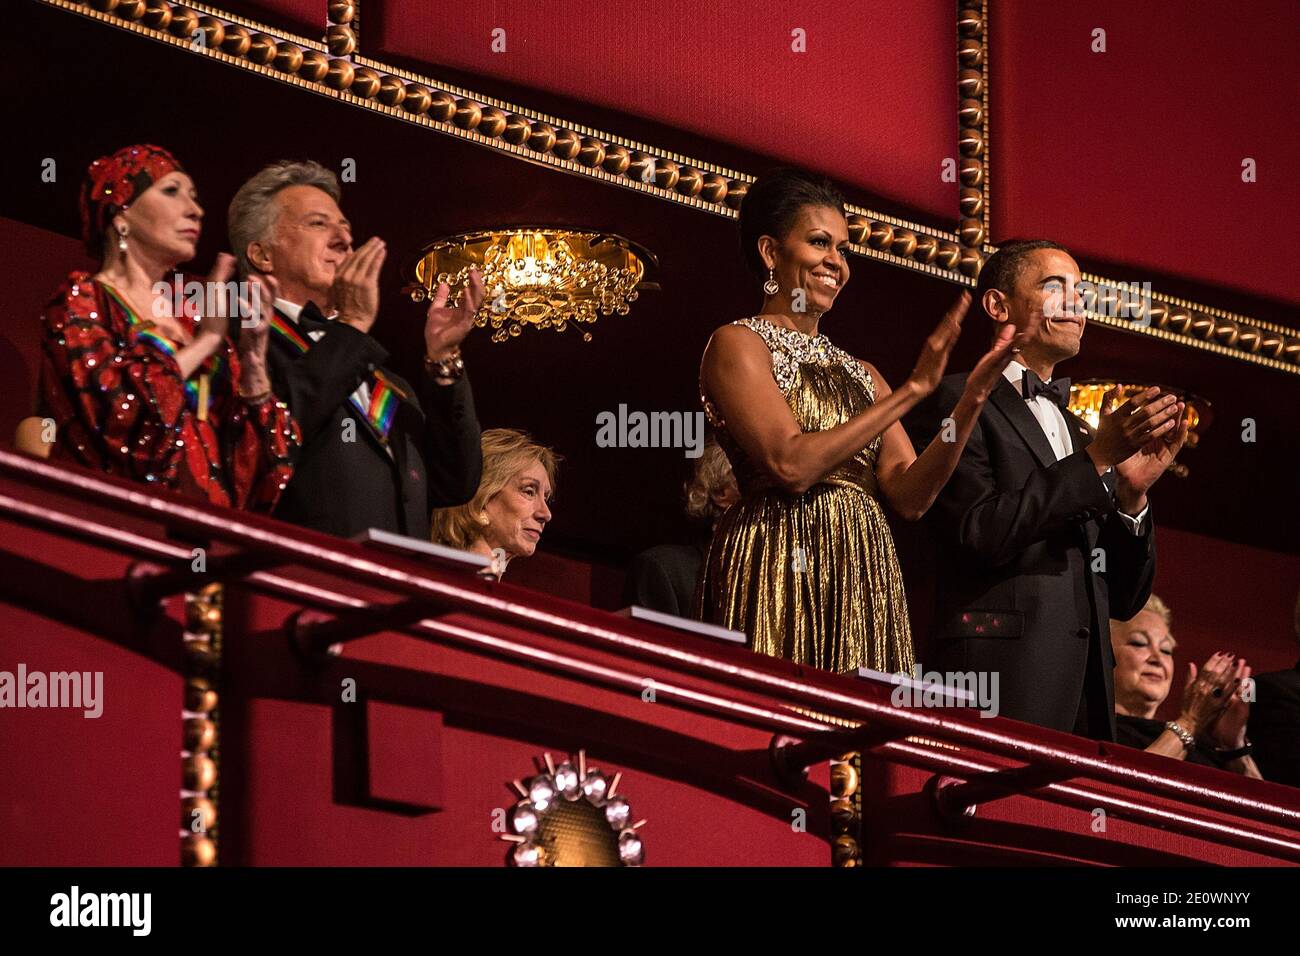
293, 310
1013, 373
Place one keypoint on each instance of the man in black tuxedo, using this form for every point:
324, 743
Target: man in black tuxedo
1044, 529
1274, 724
378, 451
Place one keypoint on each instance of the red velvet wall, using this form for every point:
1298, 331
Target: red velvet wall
1226, 596
871, 102
1135, 155
34, 263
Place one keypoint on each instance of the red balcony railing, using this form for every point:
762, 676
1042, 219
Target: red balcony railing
515, 671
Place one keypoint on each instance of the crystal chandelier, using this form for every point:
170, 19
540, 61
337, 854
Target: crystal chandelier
539, 276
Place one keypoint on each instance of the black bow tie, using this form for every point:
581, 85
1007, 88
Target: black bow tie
310, 316
1058, 390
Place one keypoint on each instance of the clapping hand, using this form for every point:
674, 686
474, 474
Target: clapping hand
356, 285
445, 327
1007, 344
938, 346
217, 326
1137, 473
255, 328
1229, 731
1207, 693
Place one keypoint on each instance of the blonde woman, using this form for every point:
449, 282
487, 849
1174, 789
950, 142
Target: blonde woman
512, 506
1211, 725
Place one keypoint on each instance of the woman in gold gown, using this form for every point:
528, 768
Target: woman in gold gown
804, 563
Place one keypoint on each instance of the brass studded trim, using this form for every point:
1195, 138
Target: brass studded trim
201, 728
973, 125
585, 151
1210, 329
846, 810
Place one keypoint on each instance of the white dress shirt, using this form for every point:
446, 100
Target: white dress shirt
1052, 420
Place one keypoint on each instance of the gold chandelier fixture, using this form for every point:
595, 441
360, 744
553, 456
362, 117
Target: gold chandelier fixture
536, 276
1086, 398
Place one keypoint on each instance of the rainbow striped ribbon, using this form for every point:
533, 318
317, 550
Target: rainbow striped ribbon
384, 395
195, 388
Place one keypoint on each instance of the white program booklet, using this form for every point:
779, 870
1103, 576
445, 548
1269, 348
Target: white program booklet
684, 624
935, 683
452, 558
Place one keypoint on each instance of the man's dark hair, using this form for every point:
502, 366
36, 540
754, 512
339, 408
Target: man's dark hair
772, 204
1003, 268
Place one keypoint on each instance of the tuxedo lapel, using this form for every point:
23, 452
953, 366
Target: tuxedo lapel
296, 341
407, 393
1008, 401
1080, 433
1081, 436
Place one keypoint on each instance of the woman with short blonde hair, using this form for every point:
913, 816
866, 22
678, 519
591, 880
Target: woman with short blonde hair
507, 514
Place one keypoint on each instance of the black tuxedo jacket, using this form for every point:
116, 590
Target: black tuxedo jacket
343, 486
1017, 534
1274, 727
664, 578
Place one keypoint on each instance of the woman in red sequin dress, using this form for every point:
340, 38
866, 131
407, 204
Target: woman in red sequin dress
139, 388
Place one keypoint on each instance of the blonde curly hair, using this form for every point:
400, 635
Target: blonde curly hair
506, 452
712, 474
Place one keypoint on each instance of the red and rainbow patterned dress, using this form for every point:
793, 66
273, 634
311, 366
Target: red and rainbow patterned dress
112, 386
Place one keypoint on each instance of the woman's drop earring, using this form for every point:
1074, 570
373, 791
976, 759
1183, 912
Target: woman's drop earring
121, 239
770, 286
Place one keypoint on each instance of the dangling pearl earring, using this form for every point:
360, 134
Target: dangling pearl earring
770, 286
121, 239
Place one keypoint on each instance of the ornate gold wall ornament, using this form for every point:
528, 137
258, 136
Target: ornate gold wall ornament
536, 276
846, 810
571, 815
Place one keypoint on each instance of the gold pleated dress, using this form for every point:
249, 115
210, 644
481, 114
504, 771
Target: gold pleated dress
814, 577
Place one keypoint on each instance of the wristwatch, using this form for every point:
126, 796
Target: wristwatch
451, 367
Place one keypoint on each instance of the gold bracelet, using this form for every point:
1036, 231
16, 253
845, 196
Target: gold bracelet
257, 399
452, 367
1188, 741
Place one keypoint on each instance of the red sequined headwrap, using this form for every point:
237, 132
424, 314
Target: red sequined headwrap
112, 182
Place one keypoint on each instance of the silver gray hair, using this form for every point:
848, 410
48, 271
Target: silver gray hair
253, 211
